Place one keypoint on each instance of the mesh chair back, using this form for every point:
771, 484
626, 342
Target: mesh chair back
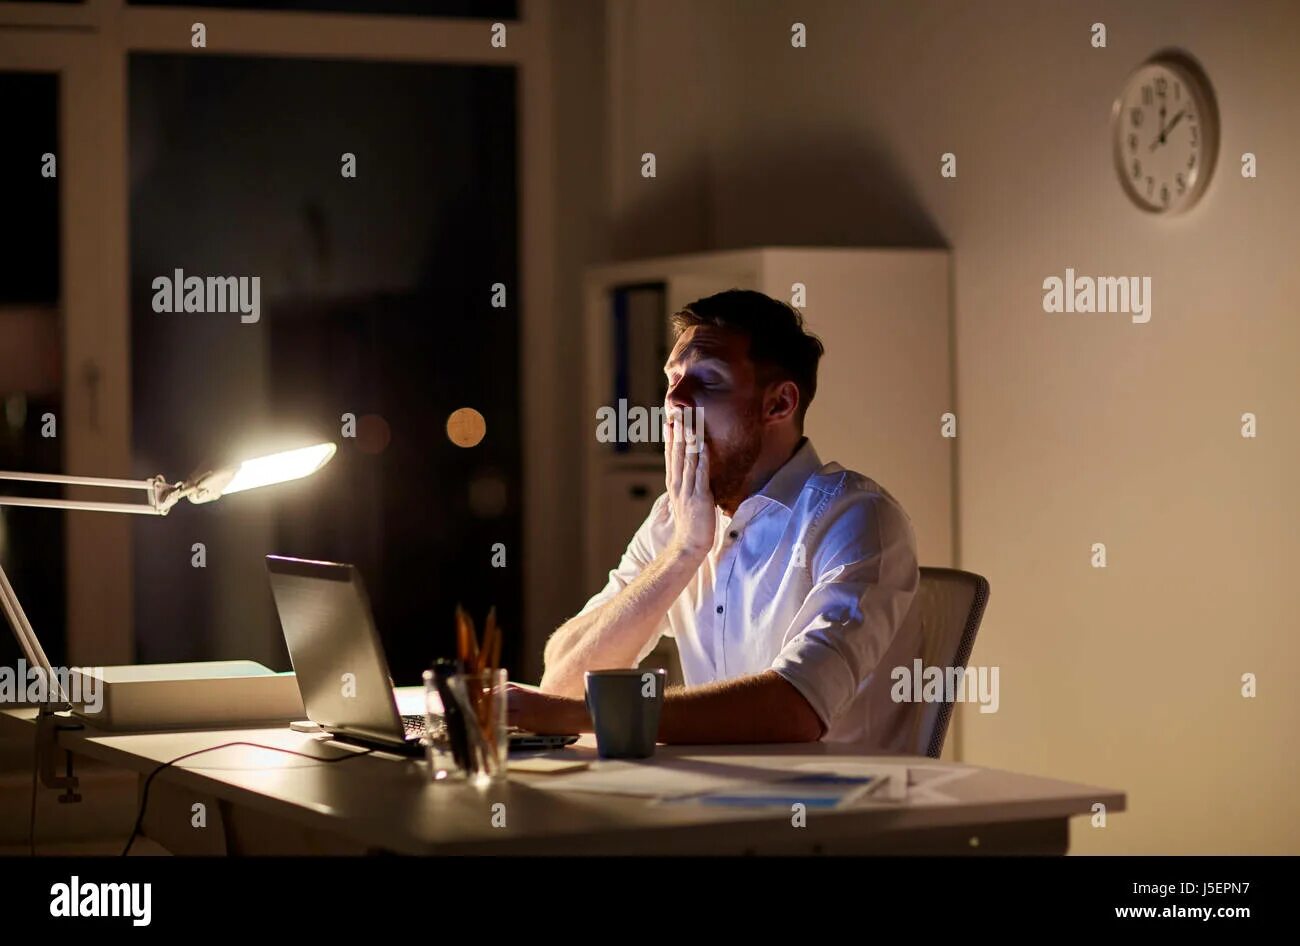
948, 607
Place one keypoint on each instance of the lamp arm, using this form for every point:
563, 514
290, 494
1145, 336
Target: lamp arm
27, 640
162, 495
75, 480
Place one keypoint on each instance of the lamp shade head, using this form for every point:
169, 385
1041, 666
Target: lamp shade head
261, 471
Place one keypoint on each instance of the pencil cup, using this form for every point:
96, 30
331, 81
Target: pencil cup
481, 699
437, 740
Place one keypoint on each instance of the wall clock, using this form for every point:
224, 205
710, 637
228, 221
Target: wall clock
1165, 126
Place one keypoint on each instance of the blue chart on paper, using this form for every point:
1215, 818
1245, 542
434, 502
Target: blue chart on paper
812, 791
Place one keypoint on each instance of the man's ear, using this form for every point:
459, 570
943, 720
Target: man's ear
781, 402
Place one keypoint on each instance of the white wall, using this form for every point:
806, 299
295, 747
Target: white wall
581, 217
1074, 429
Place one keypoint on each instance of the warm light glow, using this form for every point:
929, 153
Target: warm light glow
466, 427
279, 467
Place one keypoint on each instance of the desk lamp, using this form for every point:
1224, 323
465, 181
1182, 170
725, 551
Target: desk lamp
161, 497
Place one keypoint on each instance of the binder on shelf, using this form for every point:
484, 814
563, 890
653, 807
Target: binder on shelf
640, 349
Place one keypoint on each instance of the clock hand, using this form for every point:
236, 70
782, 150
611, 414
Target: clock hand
1168, 128
1160, 137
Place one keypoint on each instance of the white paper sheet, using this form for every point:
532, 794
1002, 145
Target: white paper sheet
650, 779
693, 774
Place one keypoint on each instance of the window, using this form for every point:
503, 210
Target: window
375, 301
31, 540
484, 9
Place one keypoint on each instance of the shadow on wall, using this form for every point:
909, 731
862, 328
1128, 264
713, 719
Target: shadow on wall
814, 192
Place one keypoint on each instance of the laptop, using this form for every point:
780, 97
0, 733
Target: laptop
330, 632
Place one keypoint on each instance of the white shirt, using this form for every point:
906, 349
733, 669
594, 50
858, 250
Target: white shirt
812, 578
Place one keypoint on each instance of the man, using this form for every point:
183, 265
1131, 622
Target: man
784, 580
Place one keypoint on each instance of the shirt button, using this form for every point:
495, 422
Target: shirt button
734, 534
719, 609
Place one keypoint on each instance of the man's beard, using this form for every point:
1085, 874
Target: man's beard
731, 461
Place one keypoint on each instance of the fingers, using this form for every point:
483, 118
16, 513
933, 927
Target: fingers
690, 461
674, 451
702, 473
668, 454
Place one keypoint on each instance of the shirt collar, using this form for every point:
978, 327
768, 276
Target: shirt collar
787, 483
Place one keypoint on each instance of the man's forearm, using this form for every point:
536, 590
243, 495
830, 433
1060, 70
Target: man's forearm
613, 634
760, 708
764, 707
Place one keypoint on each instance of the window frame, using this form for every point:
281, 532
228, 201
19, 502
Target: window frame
88, 45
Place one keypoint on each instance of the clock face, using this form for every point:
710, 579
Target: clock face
1166, 136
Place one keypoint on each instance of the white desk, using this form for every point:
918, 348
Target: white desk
261, 801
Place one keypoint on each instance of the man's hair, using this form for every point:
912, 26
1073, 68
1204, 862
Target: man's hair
779, 346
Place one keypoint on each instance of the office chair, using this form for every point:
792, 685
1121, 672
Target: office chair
949, 605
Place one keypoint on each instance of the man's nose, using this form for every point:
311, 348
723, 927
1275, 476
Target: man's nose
679, 405
680, 395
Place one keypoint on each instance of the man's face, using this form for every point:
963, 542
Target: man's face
709, 369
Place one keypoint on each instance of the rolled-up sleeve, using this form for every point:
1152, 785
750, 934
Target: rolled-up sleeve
866, 574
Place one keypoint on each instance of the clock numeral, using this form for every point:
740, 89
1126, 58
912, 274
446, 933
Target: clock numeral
1162, 86
1137, 168
1181, 182
1132, 142
1147, 97
1135, 116
1191, 162
1164, 194
1151, 183
1196, 135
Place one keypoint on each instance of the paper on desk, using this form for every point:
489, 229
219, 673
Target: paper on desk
895, 777
694, 775
817, 790
546, 766
650, 779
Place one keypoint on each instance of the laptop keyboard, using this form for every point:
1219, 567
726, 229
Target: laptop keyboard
415, 727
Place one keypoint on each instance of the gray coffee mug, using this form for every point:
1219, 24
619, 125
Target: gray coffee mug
625, 707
